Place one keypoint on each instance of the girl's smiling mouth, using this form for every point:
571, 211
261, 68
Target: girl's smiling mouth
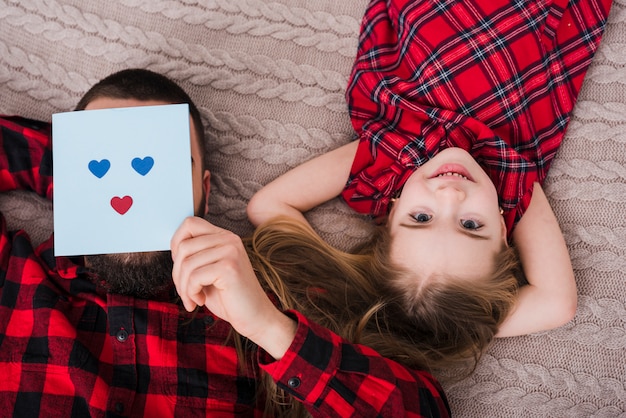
452, 171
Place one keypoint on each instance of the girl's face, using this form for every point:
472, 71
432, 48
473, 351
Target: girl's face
447, 219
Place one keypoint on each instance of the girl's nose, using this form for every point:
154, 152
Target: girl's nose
452, 193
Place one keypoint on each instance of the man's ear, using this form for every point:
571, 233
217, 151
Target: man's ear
206, 184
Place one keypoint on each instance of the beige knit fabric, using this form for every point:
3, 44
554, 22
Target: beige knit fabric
269, 77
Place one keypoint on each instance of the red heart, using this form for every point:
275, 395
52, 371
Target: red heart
121, 205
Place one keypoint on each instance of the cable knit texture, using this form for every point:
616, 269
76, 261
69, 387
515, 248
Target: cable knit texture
269, 77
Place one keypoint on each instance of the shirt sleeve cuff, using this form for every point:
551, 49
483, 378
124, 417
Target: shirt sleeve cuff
309, 364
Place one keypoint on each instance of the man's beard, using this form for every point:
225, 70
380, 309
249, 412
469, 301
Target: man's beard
143, 275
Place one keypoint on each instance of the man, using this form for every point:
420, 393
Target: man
107, 335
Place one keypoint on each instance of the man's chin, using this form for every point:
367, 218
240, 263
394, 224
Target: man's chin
143, 275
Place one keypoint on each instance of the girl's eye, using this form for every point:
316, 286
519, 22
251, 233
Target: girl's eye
422, 217
470, 224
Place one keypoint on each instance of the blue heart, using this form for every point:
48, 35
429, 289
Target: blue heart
142, 166
99, 168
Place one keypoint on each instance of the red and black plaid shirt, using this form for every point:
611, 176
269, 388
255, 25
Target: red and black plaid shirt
68, 349
496, 78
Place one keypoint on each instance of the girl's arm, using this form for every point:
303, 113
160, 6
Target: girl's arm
549, 300
304, 187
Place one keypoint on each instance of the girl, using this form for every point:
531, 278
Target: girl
459, 109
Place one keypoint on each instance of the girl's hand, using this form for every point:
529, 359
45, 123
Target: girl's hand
212, 268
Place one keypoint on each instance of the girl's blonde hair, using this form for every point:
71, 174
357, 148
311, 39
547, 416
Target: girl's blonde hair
361, 297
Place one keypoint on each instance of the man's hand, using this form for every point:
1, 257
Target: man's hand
212, 268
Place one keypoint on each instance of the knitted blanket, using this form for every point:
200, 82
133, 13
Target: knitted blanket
269, 77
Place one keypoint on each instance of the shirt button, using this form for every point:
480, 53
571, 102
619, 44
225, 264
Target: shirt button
119, 407
122, 335
293, 382
209, 320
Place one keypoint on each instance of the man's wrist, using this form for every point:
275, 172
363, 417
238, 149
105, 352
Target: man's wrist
277, 336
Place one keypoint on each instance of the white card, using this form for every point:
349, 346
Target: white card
122, 178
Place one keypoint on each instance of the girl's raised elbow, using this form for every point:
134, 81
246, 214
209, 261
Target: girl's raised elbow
566, 311
571, 309
253, 210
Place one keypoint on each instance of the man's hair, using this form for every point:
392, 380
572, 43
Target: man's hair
140, 84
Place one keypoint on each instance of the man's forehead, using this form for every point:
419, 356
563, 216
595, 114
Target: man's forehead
106, 102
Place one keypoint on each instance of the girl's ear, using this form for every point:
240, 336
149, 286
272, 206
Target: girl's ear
393, 200
381, 220
504, 231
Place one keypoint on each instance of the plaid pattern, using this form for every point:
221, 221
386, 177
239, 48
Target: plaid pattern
496, 78
68, 349
352, 380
